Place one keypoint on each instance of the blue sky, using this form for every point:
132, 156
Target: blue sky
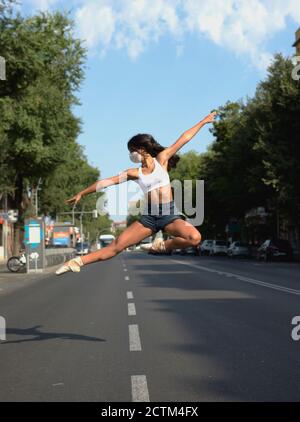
159, 66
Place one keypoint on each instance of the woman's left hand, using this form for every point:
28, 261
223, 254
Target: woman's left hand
210, 118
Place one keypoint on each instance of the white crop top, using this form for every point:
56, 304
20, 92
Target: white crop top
158, 178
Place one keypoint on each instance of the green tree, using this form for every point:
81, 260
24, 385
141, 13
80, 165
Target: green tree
68, 179
38, 128
278, 127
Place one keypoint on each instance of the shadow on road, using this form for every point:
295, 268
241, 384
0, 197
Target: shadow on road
225, 341
40, 336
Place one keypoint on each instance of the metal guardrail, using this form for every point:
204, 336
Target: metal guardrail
56, 256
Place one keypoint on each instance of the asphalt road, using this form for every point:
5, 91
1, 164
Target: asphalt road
158, 328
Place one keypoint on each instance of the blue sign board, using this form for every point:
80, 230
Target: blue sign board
34, 239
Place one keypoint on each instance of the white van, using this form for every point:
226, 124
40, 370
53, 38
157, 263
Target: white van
105, 240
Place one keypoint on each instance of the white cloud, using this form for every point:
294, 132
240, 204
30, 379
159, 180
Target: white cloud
42, 4
96, 23
136, 23
240, 26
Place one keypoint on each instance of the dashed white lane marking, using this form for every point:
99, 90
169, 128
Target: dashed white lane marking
134, 338
127, 278
242, 278
139, 388
125, 269
131, 309
129, 295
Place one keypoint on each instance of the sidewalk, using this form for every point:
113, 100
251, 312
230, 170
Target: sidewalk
11, 281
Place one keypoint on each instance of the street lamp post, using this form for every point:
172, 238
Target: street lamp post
36, 195
5, 229
81, 231
73, 215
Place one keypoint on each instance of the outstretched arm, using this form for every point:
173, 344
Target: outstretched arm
167, 153
124, 176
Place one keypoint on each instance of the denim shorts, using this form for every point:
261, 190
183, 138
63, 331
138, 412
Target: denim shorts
159, 215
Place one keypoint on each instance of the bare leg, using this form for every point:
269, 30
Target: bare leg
186, 235
131, 236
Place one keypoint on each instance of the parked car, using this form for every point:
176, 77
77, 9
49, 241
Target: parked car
83, 248
275, 249
191, 250
176, 251
205, 247
219, 247
239, 248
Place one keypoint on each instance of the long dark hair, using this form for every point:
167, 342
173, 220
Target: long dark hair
146, 141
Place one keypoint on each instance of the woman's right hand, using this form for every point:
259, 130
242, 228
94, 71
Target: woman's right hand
74, 199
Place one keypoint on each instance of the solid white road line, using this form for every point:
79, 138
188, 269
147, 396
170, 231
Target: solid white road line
134, 338
131, 309
139, 388
129, 295
243, 278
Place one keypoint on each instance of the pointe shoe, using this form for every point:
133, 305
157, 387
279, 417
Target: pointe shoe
72, 265
146, 247
158, 245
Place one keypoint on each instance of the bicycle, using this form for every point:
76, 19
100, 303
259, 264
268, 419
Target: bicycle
15, 263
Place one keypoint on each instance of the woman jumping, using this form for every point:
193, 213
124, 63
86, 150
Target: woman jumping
160, 213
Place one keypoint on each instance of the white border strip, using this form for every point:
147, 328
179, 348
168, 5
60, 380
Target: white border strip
243, 278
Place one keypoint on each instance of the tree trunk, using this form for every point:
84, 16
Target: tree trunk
18, 205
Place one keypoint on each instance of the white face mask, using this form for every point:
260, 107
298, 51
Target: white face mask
135, 157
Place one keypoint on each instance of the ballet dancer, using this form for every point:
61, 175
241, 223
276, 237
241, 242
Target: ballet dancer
160, 212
